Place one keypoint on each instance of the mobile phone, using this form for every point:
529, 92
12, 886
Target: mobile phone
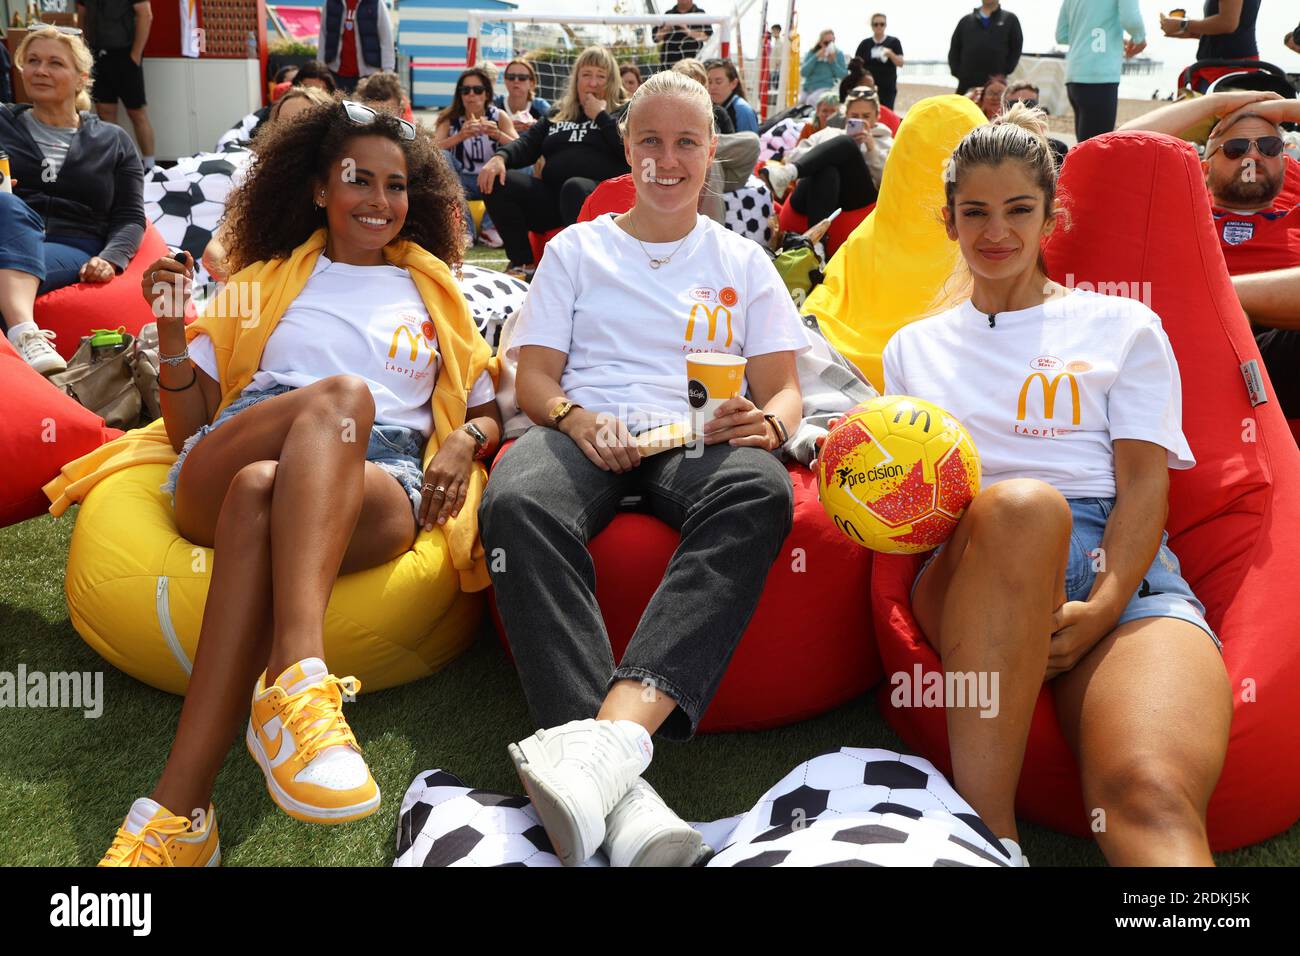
853, 126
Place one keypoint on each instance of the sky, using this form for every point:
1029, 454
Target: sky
925, 26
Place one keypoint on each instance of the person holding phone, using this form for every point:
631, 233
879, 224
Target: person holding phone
836, 168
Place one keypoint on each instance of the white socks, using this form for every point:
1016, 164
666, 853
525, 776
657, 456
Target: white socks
16, 331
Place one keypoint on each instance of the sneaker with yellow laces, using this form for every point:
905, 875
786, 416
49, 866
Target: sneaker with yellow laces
151, 835
312, 762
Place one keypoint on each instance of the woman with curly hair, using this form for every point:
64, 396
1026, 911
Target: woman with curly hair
300, 404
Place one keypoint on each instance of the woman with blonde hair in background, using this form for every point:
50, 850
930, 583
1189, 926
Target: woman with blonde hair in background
75, 211
582, 147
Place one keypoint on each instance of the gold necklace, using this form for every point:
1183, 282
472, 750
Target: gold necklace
656, 262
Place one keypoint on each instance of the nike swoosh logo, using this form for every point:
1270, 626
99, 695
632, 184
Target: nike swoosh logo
277, 742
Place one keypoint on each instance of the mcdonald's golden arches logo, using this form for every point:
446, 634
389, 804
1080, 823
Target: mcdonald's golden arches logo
1049, 395
711, 315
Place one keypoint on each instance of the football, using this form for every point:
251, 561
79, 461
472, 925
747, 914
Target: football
896, 474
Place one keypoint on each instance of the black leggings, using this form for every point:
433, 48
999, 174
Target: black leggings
1095, 106
832, 175
524, 204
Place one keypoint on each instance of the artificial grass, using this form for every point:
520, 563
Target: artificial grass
66, 781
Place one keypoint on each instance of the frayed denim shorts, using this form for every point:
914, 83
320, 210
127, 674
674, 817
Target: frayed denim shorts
394, 448
1162, 593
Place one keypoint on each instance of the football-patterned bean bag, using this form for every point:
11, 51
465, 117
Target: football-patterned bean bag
1232, 519
186, 202
808, 647
748, 211
892, 268
492, 296
850, 807
41, 430
74, 310
136, 590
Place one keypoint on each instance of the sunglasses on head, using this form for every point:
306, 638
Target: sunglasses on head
512, 76
1236, 148
365, 116
860, 93
476, 89
67, 31
1029, 101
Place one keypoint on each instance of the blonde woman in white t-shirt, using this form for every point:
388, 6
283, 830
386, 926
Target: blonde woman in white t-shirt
614, 310
1059, 570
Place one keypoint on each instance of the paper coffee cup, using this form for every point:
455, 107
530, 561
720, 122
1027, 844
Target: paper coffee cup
711, 379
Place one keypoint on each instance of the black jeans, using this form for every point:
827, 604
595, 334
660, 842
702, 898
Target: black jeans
832, 175
546, 500
887, 94
524, 203
1095, 106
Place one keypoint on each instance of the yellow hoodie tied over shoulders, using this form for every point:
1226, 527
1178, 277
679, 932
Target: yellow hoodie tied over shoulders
239, 336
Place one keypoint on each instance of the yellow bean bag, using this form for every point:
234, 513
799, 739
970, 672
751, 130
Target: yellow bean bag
892, 268
136, 591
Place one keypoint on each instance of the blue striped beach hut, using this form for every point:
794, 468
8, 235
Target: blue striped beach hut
432, 35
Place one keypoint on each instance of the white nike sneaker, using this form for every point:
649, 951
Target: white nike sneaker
575, 774
642, 831
779, 177
1018, 858
33, 344
491, 238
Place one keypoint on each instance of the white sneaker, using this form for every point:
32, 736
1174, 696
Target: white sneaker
575, 774
1018, 858
642, 831
33, 344
491, 238
779, 177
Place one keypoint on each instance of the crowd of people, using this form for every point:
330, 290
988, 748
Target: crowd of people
349, 219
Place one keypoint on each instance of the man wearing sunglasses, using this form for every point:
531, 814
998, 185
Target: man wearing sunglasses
883, 55
1246, 170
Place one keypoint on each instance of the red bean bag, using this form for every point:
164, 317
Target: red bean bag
74, 310
890, 119
809, 645
1232, 519
41, 430
1290, 194
612, 195
538, 241
840, 230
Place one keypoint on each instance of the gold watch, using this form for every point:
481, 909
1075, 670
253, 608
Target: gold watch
559, 411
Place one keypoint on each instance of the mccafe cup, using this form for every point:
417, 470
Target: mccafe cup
711, 379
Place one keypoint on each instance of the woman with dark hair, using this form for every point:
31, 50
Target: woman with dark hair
520, 99
629, 74
469, 131
582, 147
726, 90
1059, 570
75, 213
835, 168
858, 75
315, 73
301, 429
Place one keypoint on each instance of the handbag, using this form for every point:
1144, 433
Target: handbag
101, 377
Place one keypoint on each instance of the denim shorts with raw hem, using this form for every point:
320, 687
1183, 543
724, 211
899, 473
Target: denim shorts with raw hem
1162, 593
394, 448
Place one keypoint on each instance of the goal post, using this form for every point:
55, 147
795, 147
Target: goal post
552, 42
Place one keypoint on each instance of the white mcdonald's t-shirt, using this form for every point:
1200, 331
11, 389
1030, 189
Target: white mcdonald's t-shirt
627, 328
1045, 391
367, 321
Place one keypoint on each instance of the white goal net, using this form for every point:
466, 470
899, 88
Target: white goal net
552, 43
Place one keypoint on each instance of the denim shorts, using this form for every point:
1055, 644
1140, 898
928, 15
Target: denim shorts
394, 448
1162, 593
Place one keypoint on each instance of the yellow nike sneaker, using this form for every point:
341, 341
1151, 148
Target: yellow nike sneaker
312, 762
151, 835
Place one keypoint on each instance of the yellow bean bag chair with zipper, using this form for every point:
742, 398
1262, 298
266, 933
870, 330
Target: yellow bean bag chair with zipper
136, 591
